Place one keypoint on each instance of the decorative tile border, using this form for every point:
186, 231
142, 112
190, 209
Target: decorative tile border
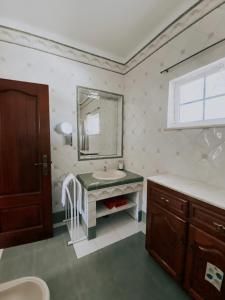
28, 40
114, 191
187, 19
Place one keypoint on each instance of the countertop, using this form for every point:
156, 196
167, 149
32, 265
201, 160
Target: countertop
195, 189
90, 183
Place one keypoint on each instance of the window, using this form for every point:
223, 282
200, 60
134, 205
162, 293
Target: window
92, 125
197, 99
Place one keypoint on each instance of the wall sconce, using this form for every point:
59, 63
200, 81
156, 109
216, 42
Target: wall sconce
66, 129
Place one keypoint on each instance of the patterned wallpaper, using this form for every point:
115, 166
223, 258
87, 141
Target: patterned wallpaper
149, 148
62, 76
195, 13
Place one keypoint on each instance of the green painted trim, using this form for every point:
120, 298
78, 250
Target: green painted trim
144, 216
90, 183
58, 217
139, 215
92, 233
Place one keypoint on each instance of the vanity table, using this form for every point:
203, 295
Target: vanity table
94, 191
186, 233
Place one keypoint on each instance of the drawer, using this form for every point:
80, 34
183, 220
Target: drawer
208, 220
169, 202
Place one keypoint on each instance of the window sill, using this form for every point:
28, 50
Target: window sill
208, 126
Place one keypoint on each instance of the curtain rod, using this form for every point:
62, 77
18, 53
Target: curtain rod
183, 60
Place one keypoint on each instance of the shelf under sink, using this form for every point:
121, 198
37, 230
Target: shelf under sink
102, 210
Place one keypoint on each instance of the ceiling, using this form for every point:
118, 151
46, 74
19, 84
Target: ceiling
115, 29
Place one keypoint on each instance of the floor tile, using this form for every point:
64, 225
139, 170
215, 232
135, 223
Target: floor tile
109, 230
123, 270
84, 248
106, 239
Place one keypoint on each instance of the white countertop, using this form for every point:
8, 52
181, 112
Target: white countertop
198, 190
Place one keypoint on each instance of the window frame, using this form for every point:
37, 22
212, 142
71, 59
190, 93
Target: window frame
174, 103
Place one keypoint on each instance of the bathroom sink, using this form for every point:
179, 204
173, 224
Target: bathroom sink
109, 175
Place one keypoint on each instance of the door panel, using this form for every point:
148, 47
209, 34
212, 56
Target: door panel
166, 235
25, 190
18, 143
203, 248
20, 217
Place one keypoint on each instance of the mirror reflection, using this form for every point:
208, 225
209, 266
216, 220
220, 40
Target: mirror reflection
100, 124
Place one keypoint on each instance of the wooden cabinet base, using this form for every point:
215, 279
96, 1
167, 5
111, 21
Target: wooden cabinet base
187, 240
166, 229
204, 251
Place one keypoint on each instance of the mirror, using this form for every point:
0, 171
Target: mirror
100, 124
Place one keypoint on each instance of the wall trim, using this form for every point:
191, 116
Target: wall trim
190, 17
58, 216
144, 216
1, 253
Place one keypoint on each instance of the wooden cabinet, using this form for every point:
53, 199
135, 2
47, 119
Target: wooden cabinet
187, 238
204, 249
167, 242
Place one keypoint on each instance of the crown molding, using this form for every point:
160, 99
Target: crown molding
35, 42
186, 20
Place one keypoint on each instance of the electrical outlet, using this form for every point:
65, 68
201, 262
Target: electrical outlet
214, 275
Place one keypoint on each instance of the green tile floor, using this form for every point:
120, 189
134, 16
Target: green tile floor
122, 271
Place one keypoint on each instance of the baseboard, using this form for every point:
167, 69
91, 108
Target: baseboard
144, 216
58, 217
1, 252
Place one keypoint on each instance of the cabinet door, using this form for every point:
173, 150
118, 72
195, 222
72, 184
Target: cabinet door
205, 266
166, 235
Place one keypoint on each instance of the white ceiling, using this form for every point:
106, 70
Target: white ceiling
116, 29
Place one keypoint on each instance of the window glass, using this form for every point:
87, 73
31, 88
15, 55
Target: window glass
192, 90
92, 125
191, 112
198, 98
215, 84
215, 108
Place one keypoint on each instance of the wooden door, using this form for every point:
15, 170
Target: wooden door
204, 249
25, 171
166, 235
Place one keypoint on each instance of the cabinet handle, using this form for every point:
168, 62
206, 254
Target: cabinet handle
164, 199
219, 227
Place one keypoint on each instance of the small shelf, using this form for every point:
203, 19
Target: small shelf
102, 210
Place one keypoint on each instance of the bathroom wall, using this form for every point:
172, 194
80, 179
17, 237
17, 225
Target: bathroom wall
149, 148
62, 76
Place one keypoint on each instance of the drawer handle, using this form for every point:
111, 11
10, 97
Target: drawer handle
164, 199
219, 227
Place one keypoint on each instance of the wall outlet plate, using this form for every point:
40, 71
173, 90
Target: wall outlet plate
214, 275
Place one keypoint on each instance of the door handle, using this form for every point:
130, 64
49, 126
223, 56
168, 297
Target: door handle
44, 164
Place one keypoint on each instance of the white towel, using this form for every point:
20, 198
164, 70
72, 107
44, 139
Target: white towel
79, 196
65, 184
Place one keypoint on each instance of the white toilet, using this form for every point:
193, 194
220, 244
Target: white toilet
25, 288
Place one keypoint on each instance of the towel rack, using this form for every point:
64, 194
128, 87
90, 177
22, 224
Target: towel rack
71, 201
